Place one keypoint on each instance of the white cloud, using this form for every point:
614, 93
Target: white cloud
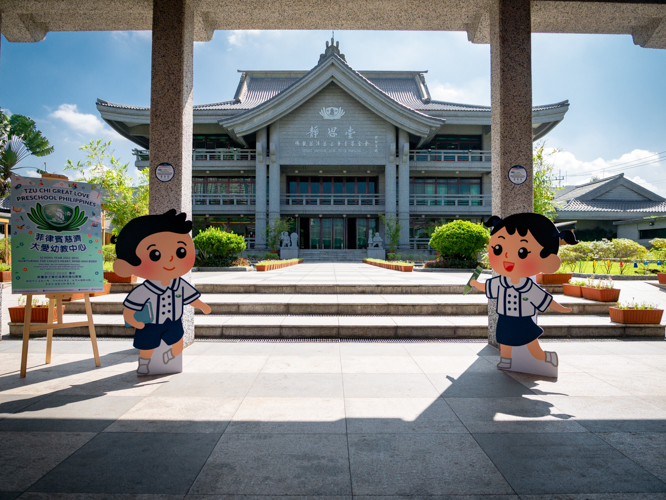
132, 36
652, 172
239, 37
81, 122
476, 91
7, 112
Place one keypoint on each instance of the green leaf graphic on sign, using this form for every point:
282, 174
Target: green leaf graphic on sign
57, 217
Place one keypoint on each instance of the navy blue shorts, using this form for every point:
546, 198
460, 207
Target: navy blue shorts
517, 331
149, 336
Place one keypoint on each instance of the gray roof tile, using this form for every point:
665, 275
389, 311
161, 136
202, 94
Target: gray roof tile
613, 206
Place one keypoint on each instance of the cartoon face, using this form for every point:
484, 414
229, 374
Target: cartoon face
516, 256
164, 256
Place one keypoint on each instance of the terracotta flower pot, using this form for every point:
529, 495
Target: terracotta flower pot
112, 277
38, 314
553, 279
261, 267
407, 269
636, 316
662, 278
601, 294
5, 276
572, 290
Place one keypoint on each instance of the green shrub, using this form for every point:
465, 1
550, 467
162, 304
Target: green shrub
109, 253
271, 256
5, 257
217, 248
460, 239
628, 249
5, 267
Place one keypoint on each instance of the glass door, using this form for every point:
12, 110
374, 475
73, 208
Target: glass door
338, 234
361, 233
326, 226
315, 233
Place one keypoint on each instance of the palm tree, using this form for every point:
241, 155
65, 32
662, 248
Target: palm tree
19, 138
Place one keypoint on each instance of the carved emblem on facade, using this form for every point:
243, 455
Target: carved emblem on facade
332, 113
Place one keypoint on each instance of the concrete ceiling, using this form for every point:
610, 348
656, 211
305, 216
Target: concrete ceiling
31, 20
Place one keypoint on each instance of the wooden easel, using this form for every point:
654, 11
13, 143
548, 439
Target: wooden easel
55, 301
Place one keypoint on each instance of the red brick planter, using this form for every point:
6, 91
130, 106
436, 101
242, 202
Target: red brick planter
660, 276
635, 316
601, 294
277, 265
5, 276
112, 277
39, 314
553, 279
393, 267
572, 290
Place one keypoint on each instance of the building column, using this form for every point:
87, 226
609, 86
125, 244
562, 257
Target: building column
511, 113
273, 188
171, 115
403, 194
260, 188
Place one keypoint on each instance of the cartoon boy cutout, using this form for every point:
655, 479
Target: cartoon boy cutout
159, 249
522, 245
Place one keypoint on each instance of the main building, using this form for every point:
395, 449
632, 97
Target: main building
333, 148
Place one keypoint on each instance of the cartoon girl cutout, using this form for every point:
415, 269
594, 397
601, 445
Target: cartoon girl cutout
522, 245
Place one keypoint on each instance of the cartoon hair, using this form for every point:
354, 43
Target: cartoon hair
540, 227
137, 229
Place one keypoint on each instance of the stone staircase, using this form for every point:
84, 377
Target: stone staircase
333, 255
265, 310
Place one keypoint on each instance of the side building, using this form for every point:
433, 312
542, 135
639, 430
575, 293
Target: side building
333, 148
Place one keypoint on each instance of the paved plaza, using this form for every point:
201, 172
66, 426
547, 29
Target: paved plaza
253, 419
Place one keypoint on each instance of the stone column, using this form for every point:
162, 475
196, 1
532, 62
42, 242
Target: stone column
403, 192
389, 189
171, 115
511, 113
274, 190
260, 187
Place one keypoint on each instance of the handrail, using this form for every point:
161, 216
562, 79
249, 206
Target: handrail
332, 199
449, 155
208, 154
433, 200
419, 244
223, 199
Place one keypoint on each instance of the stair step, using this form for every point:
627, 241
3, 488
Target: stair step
275, 326
346, 305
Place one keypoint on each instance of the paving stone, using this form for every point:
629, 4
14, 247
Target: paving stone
379, 364
569, 384
536, 463
612, 413
302, 364
477, 384
293, 385
114, 462
509, 415
68, 414
207, 385
224, 364
289, 464
647, 449
27, 456
398, 415
173, 414
290, 415
389, 385
96, 496
421, 464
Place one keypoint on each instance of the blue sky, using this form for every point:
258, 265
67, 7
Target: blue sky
616, 89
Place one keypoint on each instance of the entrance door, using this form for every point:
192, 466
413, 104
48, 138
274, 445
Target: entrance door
327, 233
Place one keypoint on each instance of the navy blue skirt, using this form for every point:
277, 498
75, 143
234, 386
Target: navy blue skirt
517, 331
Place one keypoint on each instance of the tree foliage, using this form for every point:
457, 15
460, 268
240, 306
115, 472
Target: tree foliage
460, 239
217, 247
544, 185
274, 229
123, 200
391, 231
19, 138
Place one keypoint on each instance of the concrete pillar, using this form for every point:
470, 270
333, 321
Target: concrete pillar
389, 189
260, 187
274, 192
403, 192
511, 113
171, 115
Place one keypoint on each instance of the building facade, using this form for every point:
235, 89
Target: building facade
333, 148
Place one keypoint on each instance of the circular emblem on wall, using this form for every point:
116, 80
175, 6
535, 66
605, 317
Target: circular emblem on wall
517, 174
165, 172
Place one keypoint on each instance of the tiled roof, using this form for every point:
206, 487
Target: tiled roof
582, 189
402, 89
5, 204
613, 206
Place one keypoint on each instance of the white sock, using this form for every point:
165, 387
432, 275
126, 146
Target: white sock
168, 356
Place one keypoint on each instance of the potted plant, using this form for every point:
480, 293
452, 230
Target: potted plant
642, 313
574, 288
112, 277
38, 314
5, 273
553, 279
601, 291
